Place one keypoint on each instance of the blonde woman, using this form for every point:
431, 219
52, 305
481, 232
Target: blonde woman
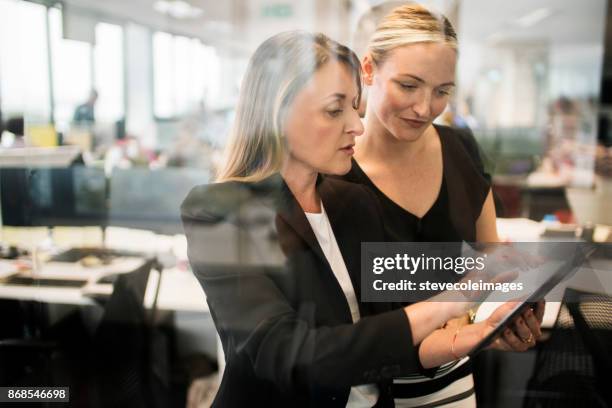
285, 299
428, 178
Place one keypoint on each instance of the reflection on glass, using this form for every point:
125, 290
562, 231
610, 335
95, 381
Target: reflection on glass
151, 200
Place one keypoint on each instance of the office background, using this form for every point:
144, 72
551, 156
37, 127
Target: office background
533, 85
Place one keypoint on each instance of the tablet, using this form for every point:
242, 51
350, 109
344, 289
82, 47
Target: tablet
563, 271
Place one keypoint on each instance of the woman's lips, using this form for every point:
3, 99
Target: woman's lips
415, 124
348, 150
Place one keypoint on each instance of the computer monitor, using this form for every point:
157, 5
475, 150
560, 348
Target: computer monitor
151, 199
72, 196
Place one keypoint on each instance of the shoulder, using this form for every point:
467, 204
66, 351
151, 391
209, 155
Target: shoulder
462, 138
348, 191
461, 144
214, 202
361, 189
352, 201
343, 183
354, 175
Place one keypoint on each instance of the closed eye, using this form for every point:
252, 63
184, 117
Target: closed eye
445, 91
335, 113
407, 86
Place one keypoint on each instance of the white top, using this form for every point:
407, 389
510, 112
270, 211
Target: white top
362, 395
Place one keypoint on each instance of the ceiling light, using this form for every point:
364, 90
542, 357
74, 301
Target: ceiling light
178, 9
533, 17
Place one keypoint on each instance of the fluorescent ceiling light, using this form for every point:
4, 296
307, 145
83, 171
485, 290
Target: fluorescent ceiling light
533, 17
178, 9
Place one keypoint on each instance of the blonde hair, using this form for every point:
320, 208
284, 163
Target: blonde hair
280, 67
367, 23
409, 24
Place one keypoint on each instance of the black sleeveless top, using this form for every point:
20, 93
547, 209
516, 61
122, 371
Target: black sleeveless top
453, 216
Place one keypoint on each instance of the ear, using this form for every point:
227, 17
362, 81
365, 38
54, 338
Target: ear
367, 65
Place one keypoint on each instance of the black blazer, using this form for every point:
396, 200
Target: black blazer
283, 319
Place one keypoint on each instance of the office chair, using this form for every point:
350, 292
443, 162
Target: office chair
573, 365
124, 370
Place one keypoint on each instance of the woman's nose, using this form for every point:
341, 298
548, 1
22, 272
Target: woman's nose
422, 107
355, 125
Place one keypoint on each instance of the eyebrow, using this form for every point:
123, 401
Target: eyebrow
336, 95
416, 78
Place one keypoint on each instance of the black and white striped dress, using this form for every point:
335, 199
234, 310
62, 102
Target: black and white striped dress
451, 387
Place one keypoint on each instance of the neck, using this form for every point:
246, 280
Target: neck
302, 182
378, 145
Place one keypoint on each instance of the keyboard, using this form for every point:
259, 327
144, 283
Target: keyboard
27, 281
106, 254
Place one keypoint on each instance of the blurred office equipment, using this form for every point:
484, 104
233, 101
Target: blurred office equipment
145, 199
73, 196
12, 132
541, 201
41, 136
591, 206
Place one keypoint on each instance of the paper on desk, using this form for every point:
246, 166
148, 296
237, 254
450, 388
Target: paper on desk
7, 268
519, 229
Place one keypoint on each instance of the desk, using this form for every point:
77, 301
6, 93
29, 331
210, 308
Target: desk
179, 289
68, 271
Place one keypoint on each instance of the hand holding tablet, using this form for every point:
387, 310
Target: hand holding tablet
520, 333
497, 331
516, 315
